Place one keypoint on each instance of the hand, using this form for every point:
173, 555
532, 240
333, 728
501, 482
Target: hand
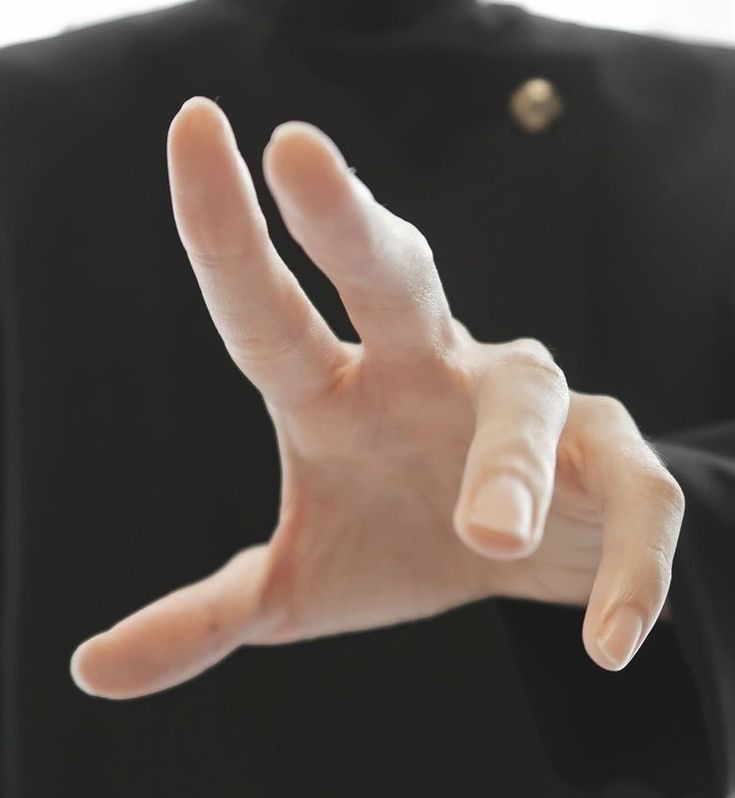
421, 469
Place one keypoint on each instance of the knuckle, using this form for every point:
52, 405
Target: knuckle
533, 357
212, 259
659, 560
247, 348
647, 578
247, 345
609, 406
253, 349
659, 554
254, 244
335, 236
517, 453
662, 486
417, 244
652, 485
462, 331
533, 347
343, 239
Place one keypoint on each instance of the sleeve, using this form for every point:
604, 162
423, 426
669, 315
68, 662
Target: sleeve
702, 593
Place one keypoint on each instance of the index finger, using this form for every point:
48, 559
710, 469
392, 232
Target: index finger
269, 326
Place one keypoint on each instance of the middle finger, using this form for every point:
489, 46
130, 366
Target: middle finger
381, 264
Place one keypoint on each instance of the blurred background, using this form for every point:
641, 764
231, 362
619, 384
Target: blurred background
706, 20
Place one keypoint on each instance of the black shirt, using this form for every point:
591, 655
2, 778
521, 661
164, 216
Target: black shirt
136, 458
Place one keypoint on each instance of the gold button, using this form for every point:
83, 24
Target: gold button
535, 105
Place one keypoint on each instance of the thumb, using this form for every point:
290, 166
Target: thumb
179, 635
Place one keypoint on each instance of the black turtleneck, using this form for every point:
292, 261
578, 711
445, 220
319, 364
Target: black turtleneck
135, 457
363, 15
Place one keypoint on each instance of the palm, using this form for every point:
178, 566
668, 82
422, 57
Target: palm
421, 469
366, 537
371, 479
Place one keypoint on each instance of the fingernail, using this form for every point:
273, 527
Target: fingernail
503, 506
619, 639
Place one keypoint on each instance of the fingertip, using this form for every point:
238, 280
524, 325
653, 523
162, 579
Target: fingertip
299, 133
498, 522
78, 667
492, 543
290, 126
617, 640
98, 669
196, 120
299, 156
199, 104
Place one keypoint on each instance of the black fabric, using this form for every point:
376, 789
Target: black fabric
351, 15
135, 457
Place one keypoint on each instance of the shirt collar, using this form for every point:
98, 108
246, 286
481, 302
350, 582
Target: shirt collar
355, 15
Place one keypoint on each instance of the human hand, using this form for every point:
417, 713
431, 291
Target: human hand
422, 469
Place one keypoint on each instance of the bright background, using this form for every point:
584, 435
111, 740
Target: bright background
711, 20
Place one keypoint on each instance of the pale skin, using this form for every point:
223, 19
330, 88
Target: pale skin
422, 469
